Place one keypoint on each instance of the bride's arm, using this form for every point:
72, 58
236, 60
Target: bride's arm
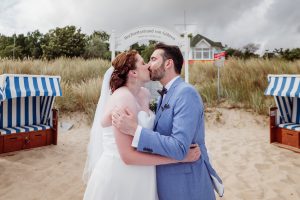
132, 157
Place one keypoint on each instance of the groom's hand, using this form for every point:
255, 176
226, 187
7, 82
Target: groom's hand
124, 120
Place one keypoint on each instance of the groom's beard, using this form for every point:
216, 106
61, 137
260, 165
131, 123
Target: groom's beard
157, 74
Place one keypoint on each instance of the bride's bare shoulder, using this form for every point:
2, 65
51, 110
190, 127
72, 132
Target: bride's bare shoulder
123, 97
122, 92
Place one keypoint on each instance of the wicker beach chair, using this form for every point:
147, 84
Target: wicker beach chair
285, 118
27, 119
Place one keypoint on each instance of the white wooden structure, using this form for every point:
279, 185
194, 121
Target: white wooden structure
156, 33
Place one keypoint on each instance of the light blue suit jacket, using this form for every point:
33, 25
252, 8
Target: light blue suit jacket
179, 123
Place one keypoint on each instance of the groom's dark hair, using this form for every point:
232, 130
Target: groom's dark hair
171, 52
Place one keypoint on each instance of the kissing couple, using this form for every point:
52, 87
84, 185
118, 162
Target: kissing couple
135, 154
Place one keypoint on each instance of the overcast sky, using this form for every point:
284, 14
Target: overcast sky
270, 23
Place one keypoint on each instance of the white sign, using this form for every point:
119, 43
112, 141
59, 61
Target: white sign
219, 59
147, 33
155, 33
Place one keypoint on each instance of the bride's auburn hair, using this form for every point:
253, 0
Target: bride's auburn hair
123, 63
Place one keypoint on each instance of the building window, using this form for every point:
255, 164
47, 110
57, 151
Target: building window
198, 55
202, 53
206, 53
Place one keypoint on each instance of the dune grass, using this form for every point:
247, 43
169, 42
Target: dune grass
80, 80
242, 82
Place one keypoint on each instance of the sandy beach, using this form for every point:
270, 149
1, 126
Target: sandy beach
238, 142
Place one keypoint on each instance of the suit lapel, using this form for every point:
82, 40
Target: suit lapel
166, 99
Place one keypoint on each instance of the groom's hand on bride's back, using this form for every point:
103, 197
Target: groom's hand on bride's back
124, 120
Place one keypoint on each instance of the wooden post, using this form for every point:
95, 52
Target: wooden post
112, 45
1, 144
55, 125
186, 56
272, 114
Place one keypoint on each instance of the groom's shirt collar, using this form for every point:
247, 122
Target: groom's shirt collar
169, 84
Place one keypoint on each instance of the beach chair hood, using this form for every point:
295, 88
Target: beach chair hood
283, 85
16, 85
286, 91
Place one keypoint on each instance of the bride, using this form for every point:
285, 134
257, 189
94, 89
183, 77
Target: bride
114, 170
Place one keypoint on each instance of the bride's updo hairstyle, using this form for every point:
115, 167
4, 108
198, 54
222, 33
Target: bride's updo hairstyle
122, 64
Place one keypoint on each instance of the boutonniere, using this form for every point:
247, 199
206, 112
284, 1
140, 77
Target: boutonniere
153, 105
166, 106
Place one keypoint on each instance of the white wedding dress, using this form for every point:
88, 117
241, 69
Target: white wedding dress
112, 179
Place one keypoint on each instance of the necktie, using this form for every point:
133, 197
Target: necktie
162, 93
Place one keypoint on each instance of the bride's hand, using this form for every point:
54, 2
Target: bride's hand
193, 154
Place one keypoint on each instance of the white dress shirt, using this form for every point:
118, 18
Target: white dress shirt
138, 130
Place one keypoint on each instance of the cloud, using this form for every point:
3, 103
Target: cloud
271, 23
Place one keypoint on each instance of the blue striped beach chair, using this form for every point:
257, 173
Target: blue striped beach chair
27, 119
285, 117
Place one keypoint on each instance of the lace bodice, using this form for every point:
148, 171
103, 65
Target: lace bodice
146, 120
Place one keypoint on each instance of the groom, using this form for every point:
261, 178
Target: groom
179, 123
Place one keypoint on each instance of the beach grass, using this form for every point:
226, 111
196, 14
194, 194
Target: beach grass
242, 82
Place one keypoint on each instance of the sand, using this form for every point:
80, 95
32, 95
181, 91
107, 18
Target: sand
238, 142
